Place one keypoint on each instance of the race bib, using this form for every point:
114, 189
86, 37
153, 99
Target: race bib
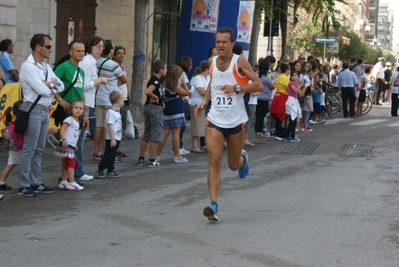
224, 101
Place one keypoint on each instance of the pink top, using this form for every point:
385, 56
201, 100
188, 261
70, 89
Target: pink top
290, 91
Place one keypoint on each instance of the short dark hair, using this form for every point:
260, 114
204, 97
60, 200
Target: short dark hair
226, 30
38, 39
359, 61
119, 48
185, 62
94, 40
210, 54
345, 65
237, 49
72, 43
284, 67
367, 70
157, 65
4, 44
107, 47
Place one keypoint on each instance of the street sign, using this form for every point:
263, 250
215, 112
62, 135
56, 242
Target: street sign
328, 40
333, 48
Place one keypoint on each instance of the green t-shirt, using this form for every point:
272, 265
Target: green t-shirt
67, 72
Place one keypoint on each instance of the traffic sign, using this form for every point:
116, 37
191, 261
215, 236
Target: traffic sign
328, 40
333, 48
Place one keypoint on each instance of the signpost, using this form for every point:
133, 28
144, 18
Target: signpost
325, 40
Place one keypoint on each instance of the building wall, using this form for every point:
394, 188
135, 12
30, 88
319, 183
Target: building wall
21, 19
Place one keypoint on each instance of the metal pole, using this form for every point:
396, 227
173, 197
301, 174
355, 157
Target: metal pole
270, 40
324, 52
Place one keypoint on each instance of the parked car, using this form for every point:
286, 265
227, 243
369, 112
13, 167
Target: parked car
366, 65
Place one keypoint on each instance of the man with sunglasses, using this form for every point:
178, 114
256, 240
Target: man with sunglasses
37, 79
301, 58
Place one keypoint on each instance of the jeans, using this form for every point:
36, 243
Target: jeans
306, 117
34, 144
108, 159
290, 131
262, 108
78, 154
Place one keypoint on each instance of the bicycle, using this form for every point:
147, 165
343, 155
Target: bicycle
368, 104
333, 99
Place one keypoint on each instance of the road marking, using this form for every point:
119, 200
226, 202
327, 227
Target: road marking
334, 121
368, 122
394, 124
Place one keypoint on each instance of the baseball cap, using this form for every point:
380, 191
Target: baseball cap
381, 58
388, 63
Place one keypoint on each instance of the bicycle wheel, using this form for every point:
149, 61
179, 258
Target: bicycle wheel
335, 104
368, 104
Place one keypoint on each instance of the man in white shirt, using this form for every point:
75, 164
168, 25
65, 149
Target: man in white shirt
37, 79
378, 74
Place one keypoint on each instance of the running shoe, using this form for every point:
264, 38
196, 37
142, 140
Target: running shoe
76, 187
100, 174
26, 192
211, 212
113, 174
41, 188
65, 185
244, 170
180, 160
153, 163
140, 161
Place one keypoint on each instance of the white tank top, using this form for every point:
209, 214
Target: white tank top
227, 110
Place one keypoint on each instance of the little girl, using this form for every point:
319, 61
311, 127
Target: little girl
69, 134
13, 143
308, 108
293, 109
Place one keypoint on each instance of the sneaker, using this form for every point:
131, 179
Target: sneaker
100, 174
42, 189
153, 163
118, 159
272, 134
26, 192
184, 152
180, 160
76, 187
312, 122
5, 187
65, 185
279, 138
294, 140
97, 156
244, 170
79, 183
140, 161
307, 130
323, 121
157, 158
211, 212
286, 139
86, 177
1, 196
113, 174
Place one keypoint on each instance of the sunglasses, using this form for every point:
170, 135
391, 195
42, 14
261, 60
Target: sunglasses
46, 46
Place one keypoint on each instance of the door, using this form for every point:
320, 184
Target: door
75, 21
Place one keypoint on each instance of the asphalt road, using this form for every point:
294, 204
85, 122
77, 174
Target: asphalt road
330, 200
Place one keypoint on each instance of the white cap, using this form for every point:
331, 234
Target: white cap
388, 63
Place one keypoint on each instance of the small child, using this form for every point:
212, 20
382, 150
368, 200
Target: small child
317, 104
69, 133
293, 109
112, 137
13, 142
324, 109
308, 108
153, 115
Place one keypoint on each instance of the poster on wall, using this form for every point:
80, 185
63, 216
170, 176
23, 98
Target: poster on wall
204, 16
244, 21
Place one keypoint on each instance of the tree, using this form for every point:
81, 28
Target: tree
320, 10
136, 92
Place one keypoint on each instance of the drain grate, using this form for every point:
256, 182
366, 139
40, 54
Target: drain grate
357, 150
300, 149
